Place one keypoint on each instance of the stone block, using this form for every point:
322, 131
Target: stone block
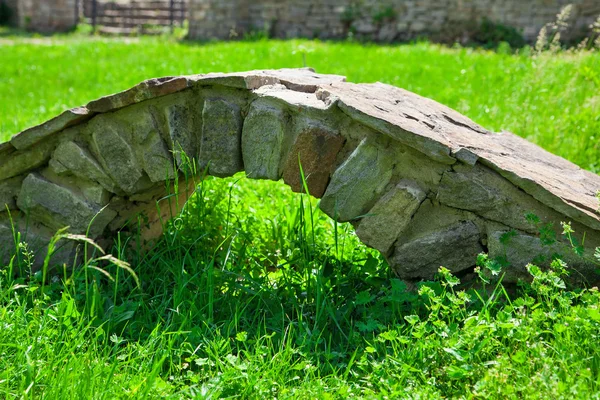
56, 207
183, 132
266, 140
489, 195
455, 247
390, 216
114, 153
316, 148
221, 141
9, 190
146, 90
519, 249
358, 182
78, 161
33, 135
20, 162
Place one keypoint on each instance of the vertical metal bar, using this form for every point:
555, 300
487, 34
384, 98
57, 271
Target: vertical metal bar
76, 12
172, 15
94, 12
182, 13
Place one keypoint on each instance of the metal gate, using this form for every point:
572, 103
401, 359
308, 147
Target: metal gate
124, 17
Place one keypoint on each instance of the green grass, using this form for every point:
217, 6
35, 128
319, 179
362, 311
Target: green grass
253, 293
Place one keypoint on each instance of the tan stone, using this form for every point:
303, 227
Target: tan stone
316, 149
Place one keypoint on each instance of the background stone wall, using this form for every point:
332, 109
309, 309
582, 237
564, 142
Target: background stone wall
46, 15
388, 20
12, 6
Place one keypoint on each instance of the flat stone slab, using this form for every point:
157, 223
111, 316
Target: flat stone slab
422, 183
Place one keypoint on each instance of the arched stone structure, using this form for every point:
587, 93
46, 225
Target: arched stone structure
422, 184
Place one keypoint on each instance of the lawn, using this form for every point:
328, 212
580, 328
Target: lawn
250, 298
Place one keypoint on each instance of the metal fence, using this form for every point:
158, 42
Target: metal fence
139, 16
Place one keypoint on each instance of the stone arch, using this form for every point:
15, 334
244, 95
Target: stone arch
421, 183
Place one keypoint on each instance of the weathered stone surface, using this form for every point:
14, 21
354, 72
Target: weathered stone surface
492, 197
19, 162
78, 161
115, 154
184, 131
300, 80
56, 207
305, 102
357, 183
221, 142
359, 145
91, 191
7, 244
146, 90
455, 248
31, 136
266, 139
550, 179
519, 250
36, 237
9, 190
316, 148
6, 149
37, 240
390, 216
157, 160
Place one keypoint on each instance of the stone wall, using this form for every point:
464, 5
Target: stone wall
390, 20
12, 5
47, 16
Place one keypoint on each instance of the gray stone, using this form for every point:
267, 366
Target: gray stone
157, 160
73, 158
6, 149
390, 216
7, 244
146, 90
31, 136
438, 132
519, 249
20, 162
489, 195
116, 155
57, 207
455, 248
36, 237
358, 182
9, 190
266, 139
182, 132
221, 142
297, 79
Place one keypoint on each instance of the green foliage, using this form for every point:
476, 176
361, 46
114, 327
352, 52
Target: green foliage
492, 35
383, 14
249, 298
350, 14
